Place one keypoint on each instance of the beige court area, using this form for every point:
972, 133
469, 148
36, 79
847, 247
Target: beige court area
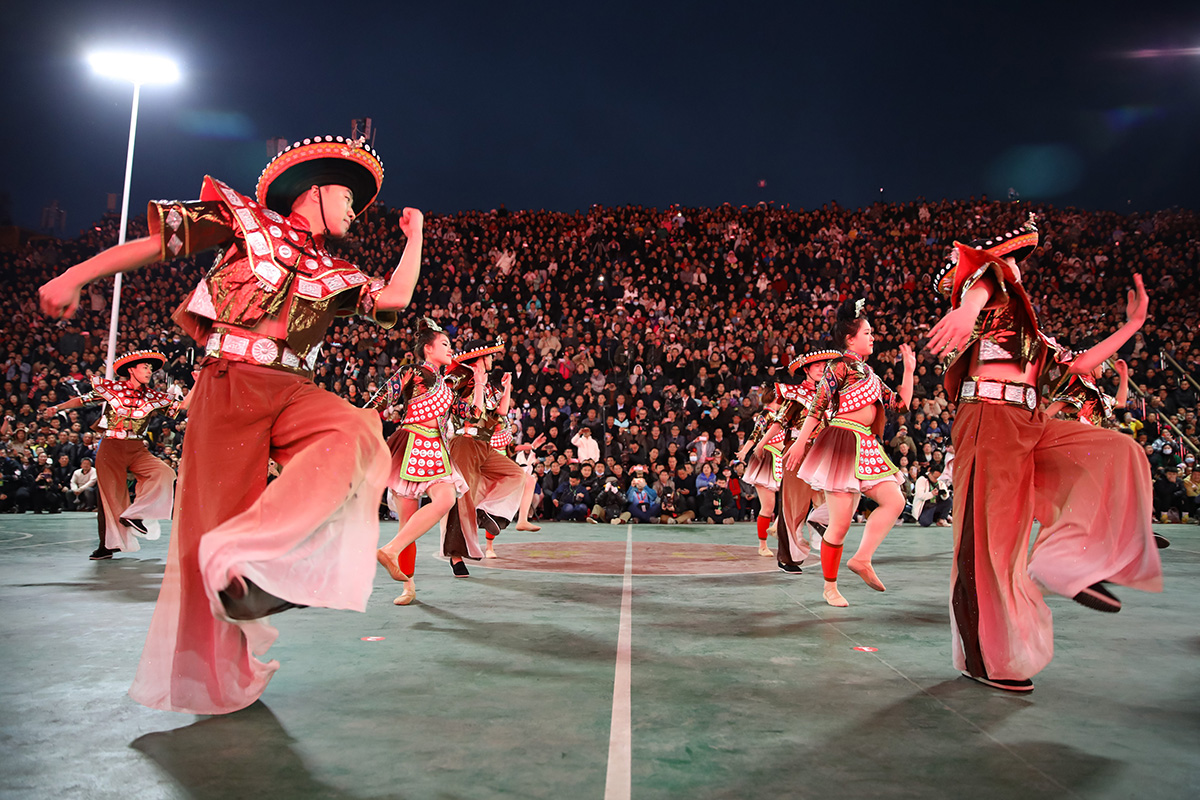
742, 683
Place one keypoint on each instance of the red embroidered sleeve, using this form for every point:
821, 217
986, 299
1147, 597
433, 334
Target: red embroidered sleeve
186, 228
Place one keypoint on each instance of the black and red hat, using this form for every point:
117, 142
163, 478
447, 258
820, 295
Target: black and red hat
1019, 244
479, 349
121, 365
812, 357
323, 161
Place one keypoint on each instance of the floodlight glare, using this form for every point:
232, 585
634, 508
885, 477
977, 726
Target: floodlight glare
138, 68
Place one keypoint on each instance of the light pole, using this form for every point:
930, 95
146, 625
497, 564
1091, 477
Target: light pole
137, 68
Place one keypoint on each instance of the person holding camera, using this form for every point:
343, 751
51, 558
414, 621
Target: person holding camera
643, 501
932, 499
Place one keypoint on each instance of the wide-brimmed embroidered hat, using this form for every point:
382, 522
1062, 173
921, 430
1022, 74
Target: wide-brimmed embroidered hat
812, 358
323, 161
479, 349
1019, 244
121, 365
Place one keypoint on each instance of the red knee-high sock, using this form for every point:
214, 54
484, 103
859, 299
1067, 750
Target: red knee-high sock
831, 560
491, 537
763, 524
408, 560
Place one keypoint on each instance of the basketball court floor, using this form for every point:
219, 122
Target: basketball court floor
595, 661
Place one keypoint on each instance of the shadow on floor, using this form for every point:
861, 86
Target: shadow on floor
245, 754
915, 748
130, 580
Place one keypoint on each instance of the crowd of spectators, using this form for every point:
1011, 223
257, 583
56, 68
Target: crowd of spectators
640, 340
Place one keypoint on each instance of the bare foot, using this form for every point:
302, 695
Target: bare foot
763, 550
528, 526
408, 595
833, 597
867, 573
490, 553
392, 564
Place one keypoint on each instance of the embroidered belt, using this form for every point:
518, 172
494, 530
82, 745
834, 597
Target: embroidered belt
870, 462
119, 434
254, 348
982, 390
478, 432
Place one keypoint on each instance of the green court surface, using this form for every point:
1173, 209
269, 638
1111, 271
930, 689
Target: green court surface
742, 682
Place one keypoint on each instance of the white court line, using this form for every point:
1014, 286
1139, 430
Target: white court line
46, 544
618, 782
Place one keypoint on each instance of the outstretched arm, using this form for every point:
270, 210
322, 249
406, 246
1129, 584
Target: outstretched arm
1123, 385
60, 297
399, 291
506, 398
953, 330
1135, 316
74, 402
910, 369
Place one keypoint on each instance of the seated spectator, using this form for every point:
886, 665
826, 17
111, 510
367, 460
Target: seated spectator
643, 501
1170, 498
572, 500
932, 500
706, 479
610, 505
716, 504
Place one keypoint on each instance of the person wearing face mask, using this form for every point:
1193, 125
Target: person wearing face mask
702, 450
1012, 462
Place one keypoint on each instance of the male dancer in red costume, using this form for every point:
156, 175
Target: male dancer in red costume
243, 549
129, 405
1011, 459
498, 485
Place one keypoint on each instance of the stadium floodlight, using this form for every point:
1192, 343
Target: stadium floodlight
138, 69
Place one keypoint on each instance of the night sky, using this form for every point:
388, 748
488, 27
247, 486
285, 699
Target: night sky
561, 105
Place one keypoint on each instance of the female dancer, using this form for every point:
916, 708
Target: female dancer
764, 469
420, 457
796, 498
846, 459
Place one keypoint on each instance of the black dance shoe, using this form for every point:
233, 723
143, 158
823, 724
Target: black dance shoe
1097, 598
460, 569
244, 600
1161, 542
791, 569
487, 522
101, 554
1000, 683
136, 524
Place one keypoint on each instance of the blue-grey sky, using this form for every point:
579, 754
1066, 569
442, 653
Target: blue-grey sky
560, 105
